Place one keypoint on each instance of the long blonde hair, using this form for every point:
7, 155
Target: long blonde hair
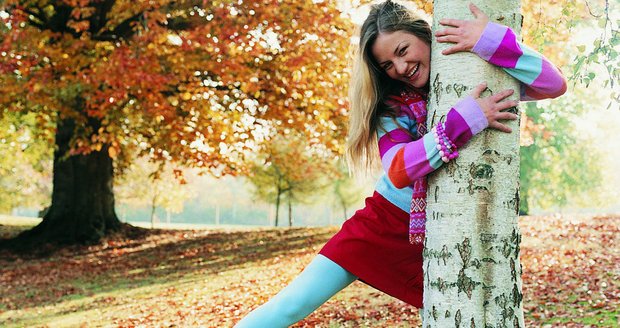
370, 84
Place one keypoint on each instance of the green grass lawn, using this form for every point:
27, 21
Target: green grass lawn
212, 277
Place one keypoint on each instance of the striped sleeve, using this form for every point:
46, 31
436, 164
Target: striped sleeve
540, 79
405, 159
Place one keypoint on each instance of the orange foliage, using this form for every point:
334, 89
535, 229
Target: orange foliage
177, 78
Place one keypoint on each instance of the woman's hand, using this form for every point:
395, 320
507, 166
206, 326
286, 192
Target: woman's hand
464, 33
493, 105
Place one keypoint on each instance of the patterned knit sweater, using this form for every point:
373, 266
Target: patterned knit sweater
407, 158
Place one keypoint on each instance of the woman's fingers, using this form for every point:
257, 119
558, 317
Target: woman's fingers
476, 11
451, 22
493, 107
448, 31
453, 49
478, 90
499, 126
507, 104
448, 38
506, 116
502, 94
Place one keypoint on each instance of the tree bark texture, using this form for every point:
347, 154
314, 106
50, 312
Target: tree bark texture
82, 209
472, 272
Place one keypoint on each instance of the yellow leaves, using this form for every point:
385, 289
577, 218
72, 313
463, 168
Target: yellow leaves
113, 152
173, 101
428, 7
104, 47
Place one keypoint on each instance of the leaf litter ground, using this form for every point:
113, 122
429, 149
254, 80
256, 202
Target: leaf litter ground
212, 278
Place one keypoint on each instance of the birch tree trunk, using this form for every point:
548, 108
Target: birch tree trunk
471, 258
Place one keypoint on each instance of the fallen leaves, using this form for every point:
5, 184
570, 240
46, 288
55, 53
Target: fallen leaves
212, 278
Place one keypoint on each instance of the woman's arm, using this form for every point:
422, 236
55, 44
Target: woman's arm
405, 159
498, 45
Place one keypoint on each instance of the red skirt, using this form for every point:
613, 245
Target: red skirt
374, 246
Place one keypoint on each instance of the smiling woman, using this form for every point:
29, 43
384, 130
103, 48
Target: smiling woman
381, 244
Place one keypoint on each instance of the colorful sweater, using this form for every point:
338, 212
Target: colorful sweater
408, 157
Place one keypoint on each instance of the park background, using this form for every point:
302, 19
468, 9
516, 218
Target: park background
273, 132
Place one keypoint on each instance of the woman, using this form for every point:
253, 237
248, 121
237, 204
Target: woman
389, 87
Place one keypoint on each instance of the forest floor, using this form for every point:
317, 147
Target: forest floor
213, 277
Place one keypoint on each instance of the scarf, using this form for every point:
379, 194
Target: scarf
416, 104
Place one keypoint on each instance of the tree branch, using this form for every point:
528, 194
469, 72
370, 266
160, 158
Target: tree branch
99, 18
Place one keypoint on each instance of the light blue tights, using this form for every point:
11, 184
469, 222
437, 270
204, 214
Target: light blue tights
319, 281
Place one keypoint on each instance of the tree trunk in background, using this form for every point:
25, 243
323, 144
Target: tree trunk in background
279, 193
82, 209
153, 202
290, 212
472, 272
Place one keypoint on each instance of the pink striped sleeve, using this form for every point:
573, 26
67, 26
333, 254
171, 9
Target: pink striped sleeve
405, 159
540, 79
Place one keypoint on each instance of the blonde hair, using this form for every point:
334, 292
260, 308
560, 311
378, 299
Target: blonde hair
370, 85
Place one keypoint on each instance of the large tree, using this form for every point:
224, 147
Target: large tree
472, 273
197, 82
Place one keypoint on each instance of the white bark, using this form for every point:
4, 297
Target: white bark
471, 259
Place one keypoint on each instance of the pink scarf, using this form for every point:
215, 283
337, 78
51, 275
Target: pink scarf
417, 213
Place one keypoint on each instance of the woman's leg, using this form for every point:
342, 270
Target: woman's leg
319, 281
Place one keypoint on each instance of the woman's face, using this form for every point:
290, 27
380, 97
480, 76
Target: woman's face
404, 57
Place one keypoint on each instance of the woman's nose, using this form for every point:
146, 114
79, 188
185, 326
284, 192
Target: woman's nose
401, 67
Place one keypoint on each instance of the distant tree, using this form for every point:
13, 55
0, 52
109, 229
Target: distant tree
25, 167
145, 183
557, 164
345, 191
291, 170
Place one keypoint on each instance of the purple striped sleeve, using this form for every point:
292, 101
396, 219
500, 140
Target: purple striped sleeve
465, 120
489, 41
508, 52
407, 161
472, 114
549, 83
388, 156
416, 161
539, 78
391, 139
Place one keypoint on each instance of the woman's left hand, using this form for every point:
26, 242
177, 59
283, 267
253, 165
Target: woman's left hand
464, 33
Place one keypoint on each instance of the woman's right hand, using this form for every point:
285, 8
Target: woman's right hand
493, 106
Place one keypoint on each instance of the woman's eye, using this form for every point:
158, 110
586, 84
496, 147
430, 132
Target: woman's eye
402, 51
386, 67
